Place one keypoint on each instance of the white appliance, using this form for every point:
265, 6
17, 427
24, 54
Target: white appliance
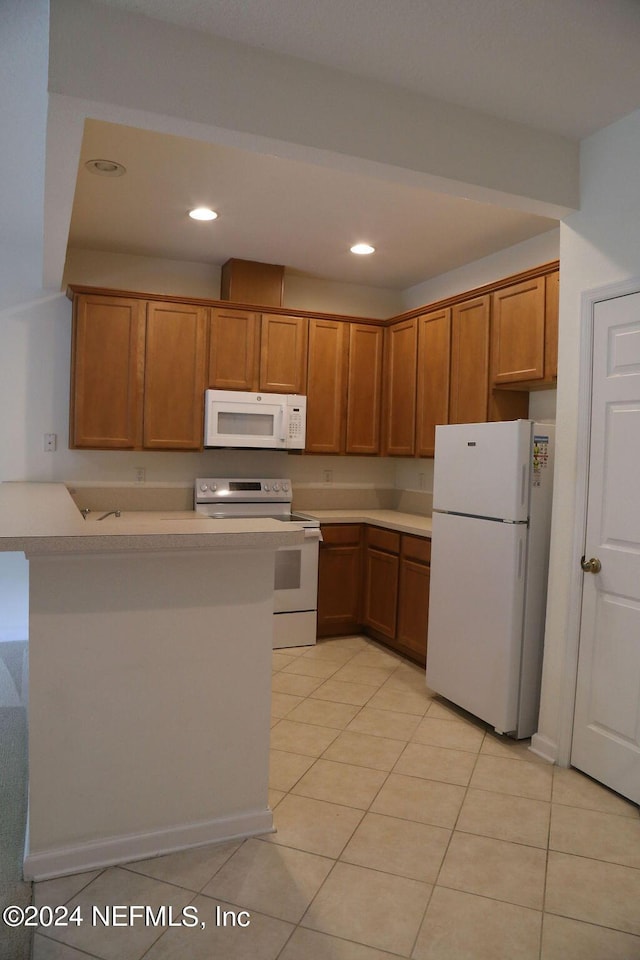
492, 496
233, 418
295, 597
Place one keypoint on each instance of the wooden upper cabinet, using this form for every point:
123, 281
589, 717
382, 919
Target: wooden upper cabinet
283, 354
326, 385
175, 371
517, 332
552, 292
469, 393
364, 398
106, 372
234, 349
434, 361
399, 413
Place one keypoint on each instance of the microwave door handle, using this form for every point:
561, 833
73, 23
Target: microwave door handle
284, 424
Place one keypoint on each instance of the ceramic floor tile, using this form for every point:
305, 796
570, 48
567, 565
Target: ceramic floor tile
377, 657
449, 733
343, 783
262, 939
497, 746
281, 660
384, 723
504, 817
364, 750
295, 683
377, 909
283, 703
275, 796
513, 777
311, 945
495, 868
400, 701
187, 868
408, 676
436, 763
341, 692
305, 738
564, 939
285, 769
313, 825
55, 893
413, 850
463, 926
313, 668
45, 949
329, 650
591, 833
325, 713
577, 790
592, 890
353, 672
423, 801
271, 879
116, 886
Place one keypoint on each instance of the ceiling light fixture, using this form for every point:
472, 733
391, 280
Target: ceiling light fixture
362, 249
105, 168
203, 213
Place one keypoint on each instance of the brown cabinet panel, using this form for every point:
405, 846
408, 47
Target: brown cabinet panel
175, 361
383, 539
326, 386
413, 609
106, 372
283, 354
552, 292
381, 591
469, 361
234, 337
339, 579
517, 335
399, 415
434, 361
415, 548
364, 398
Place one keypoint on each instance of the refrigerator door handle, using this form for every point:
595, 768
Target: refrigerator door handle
523, 485
520, 558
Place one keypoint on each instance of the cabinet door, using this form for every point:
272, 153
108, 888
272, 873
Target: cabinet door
175, 362
381, 592
326, 385
434, 360
339, 579
517, 332
106, 372
469, 361
413, 609
364, 397
283, 354
233, 349
552, 291
400, 389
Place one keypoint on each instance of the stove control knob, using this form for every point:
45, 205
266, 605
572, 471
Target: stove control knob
267, 488
213, 487
276, 487
285, 487
203, 487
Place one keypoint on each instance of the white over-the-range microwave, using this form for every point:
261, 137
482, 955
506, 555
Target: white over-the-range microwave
273, 421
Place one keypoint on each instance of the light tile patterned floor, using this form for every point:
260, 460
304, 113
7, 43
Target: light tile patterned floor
404, 829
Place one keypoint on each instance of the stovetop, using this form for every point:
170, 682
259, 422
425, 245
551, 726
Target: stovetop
222, 498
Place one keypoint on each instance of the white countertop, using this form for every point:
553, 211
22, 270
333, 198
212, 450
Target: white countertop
41, 518
391, 519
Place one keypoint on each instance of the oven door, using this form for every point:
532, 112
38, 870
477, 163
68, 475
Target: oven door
296, 575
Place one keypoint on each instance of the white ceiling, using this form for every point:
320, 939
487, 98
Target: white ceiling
568, 66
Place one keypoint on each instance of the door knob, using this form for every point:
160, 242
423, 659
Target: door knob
591, 566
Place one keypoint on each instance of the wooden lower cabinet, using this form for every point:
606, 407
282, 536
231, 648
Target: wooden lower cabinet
339, 579
375, 580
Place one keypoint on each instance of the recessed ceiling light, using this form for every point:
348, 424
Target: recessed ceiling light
362, 249
203, 213
105, 168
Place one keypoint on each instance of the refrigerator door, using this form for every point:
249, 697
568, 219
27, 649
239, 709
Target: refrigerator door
476, 615
482, 469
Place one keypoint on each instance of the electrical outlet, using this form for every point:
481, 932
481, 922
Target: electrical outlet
50, 442
327, 476
140, 474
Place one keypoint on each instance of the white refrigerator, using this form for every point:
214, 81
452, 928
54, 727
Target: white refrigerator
492, 495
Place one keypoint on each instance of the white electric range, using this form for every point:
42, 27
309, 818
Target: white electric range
295, 597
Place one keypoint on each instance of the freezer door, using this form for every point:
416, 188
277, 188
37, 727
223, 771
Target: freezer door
476, 607
482, 469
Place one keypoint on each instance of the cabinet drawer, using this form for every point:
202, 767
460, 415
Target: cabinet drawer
342, 533
416, 548
387, 540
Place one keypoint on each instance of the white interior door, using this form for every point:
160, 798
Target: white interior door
606, 736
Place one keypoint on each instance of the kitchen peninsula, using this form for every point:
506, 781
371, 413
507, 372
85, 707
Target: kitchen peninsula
150, 678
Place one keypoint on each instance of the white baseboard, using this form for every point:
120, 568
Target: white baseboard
44, 865
544, 747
